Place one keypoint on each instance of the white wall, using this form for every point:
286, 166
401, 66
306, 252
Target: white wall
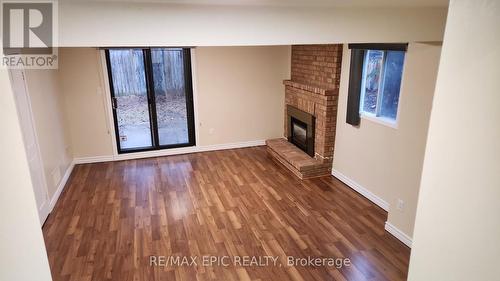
239, 92
84, 104
457, 231
384, 160
22, 254
138, 24
47, 105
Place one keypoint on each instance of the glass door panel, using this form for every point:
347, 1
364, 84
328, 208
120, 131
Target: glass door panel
170, 96
130, 99
152, 97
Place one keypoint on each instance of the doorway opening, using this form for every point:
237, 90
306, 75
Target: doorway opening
152, 98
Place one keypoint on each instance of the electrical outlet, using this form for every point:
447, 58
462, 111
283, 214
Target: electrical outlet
400, 205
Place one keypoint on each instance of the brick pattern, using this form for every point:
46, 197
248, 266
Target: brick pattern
324, 108
314, 88
317, 64
295, 160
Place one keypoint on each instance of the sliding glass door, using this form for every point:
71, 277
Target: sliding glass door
151, 94
170, 95
130, 98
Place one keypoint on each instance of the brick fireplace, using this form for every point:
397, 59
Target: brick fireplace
313, 89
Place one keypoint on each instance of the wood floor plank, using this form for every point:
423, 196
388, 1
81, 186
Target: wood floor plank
112, 217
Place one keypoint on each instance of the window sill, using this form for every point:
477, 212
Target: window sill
380, 120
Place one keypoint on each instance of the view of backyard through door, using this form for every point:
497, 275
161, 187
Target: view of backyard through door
149, 97
134, 125
169, 89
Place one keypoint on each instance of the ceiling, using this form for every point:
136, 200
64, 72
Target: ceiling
295, 3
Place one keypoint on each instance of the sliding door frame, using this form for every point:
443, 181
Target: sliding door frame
153, 120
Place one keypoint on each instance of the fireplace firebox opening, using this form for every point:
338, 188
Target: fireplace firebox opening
301, 129
299, 133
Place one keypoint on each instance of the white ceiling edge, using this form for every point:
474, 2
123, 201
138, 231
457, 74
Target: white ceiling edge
289, 3
113, 24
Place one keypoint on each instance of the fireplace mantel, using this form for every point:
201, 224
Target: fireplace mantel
323, 90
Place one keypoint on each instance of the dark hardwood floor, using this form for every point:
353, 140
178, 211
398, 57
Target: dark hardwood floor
112, 217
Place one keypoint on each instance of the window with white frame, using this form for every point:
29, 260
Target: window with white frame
381, 84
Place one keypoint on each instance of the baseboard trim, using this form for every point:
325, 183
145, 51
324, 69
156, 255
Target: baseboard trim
61, 186
167, 152
394, 231
93, 159
361, 190
231, 145
400, 235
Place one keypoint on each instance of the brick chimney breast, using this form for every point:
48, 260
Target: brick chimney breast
313, 88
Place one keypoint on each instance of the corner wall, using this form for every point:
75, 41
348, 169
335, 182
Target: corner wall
47, 103
457, 231
384, 161
23, 255
240, 93
84, 104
